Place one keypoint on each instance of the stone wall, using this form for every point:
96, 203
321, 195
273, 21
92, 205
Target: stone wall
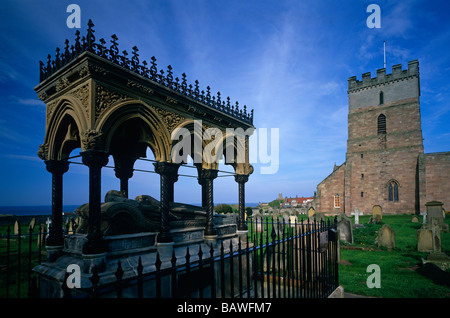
328, 188
437, 172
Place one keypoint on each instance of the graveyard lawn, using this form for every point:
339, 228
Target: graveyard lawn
402, 274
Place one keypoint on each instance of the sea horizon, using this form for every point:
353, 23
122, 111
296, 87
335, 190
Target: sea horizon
67, 208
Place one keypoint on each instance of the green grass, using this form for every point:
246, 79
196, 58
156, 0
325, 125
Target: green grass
401, 269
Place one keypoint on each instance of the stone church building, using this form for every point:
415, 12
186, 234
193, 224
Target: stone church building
386, 167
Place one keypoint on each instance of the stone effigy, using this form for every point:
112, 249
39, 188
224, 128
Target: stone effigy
121, 215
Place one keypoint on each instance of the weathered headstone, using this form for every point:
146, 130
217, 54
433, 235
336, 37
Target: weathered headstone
293, 220
41, 235
386, 237
377, 213
32, 225
16, 227
345, 228
424, 240
311, 212
436, 256
415, 219
435, 210
259, 224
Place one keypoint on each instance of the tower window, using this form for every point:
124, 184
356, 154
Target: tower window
381, 98
382, 124
362, 175
362, 194
393, 191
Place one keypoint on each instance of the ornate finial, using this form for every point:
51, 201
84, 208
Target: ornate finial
90, 35
57, 59
208, 95
169, 77
228, 104
77, 42
135, 58
183, 83
245, 110
196, 89
153, 69
66, 51
114, 49
49, 64
219, 101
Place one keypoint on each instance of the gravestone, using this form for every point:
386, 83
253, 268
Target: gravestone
386, 237
16, 227
435, 210
311, 212
32, 225
436, 256
415, 219
377, 213
424, 240
41, 235
293, 220
259, 224
345, 228
356, 213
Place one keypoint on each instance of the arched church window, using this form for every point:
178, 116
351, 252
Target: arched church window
393, 191
382, 124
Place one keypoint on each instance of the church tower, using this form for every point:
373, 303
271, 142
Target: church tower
384, 141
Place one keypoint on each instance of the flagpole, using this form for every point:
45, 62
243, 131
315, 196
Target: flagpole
384, 49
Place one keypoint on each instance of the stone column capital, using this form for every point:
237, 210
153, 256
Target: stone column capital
209, 174
57, 166
94, 158
167, 169
241, 178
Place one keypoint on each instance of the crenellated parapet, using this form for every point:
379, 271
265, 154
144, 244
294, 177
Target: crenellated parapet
382, 78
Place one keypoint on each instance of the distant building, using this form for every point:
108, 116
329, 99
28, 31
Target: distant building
386, 167
296, 202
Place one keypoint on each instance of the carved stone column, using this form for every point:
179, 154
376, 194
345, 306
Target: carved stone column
168, 175
201, 182
95, 160
124, 171
57, 168
208, 176
241, 179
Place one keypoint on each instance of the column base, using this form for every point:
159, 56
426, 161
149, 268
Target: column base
92, 260
165, 250
54, 252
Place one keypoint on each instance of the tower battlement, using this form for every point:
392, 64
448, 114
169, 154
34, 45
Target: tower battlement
382, 77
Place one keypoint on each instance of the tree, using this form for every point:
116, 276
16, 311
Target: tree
223, 208
275, 203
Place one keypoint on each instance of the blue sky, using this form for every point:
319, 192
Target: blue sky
288, 60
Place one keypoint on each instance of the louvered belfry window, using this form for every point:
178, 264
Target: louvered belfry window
382, 124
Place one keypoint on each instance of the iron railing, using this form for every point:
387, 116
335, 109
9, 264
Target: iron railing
285, 260
276, 259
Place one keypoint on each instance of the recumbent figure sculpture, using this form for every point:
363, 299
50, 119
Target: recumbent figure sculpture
121, 215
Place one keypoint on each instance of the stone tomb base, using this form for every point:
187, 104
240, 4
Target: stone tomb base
128, 248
